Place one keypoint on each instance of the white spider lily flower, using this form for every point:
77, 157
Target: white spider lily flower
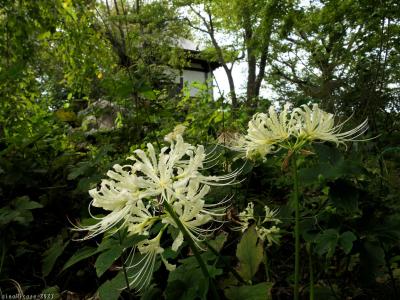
143, 262
270, 215
192, 218
134, 194
189, 169
193, 213
109, 196
156, 175
245, 216
270, 234
137, 218
317, 124
178, 131
266, 132
279, 127
141, 219
116, 219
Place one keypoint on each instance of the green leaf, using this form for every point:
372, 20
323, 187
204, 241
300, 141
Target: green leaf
81, 169
312, 174
8, 215
106, 259
208, 255
151, 293
25, 203
44, 35
79, 255
214, 272
328, 154
107, 243
111, 289
50, 255
187, 282
131, 241
219, 241
250, 254
149, 94
372, 258
326, 242
389, 230
261, 291
54, 291
177, 289
19, 210
326, 293
330, 166
344, 196
346, 241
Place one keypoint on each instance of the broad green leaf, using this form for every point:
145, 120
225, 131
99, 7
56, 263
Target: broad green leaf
107, 243
261, 291
208, 255
50, 255
81, 169
389, 230
187, 282
151, 293
325, 293
18, 211
25, 203
219, 241
131, 241
395, 259
7, 215
328, 154
44, 35
149, 94
250, 254
372, 258
322, 170
106, 259
214, 271
177, 289
346, 241
326, 242
79, 255
344, 196
54, 291
331, 165
111, 289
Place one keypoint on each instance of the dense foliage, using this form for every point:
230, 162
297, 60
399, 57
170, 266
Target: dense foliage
83, 84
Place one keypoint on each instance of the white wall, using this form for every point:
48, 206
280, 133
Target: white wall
190, 76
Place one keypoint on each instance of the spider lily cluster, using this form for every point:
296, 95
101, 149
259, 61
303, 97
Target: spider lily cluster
267, 133
136, 194
168, 189
271, 234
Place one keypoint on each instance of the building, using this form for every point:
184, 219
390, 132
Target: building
198, 70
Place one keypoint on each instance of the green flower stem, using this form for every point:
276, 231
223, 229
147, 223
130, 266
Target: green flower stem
311, 270
232, 269
266, 266
296, 228
124, 267
192, 245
